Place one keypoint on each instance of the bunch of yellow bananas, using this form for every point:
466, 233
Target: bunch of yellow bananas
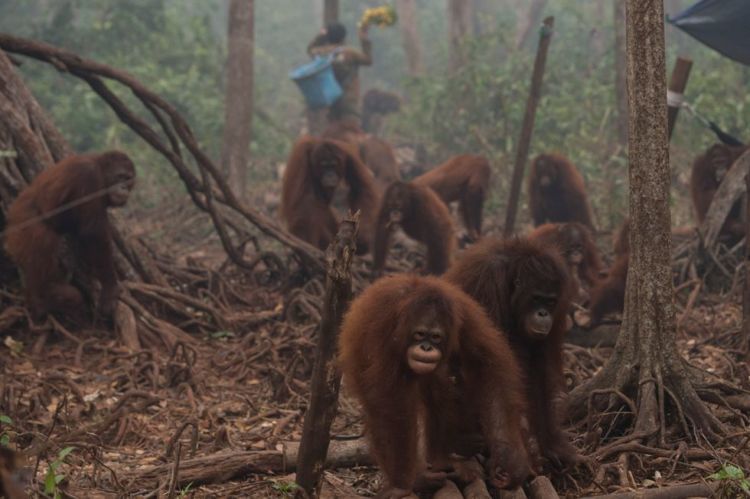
384, 15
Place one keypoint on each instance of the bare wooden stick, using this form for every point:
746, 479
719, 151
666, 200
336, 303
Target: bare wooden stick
522, 153
324, 387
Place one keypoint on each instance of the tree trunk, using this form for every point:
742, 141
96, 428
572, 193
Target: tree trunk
528, 23
238, 112
621, 90
459, 21
407, 18
330, 11
645, 365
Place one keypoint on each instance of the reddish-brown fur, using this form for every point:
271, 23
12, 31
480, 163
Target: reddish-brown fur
375, 105
306, 202
343, 130
465, 179
608, 295
621, 241
375, 152
423, 217
476, 385
569, 237
563, 198
11, 486
378, 155
36, 229
507, 278
708, 171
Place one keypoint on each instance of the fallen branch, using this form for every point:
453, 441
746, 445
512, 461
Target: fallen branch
228, 465
672, 492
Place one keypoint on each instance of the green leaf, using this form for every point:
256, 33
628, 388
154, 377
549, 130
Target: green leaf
734, 472
59, 478
50, 484
5, 419
63, 453
4, 440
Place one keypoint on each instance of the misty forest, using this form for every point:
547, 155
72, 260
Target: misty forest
374, 248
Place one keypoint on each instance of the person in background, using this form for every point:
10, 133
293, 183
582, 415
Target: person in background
346, 63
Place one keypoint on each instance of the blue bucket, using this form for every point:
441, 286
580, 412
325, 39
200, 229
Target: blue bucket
317, 82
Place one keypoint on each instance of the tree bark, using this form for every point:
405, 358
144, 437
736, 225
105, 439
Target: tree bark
238, 112
645, 365
330, 11
459, 22
407, 18
621, 90
529, 22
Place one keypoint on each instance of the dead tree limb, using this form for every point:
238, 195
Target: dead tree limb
227, 465
673, 492
324, 387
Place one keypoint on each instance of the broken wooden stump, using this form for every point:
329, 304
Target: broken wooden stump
326, 378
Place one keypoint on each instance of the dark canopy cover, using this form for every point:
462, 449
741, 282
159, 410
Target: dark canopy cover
723, 25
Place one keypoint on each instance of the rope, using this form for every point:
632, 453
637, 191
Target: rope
675, 99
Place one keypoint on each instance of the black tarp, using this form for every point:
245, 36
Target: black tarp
723, 25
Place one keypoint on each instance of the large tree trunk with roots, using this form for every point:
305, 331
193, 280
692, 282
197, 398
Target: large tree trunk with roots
407, 19
645, 364
238, 108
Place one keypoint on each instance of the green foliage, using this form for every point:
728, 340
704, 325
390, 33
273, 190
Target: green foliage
5, 435
733, 478
221, 335
52, 478
186, 490
285, 489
